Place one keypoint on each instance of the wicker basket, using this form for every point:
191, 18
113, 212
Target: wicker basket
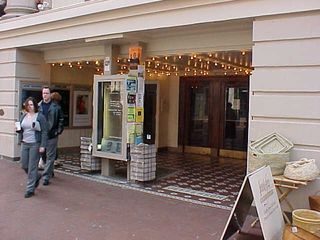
304, 169
272, 150
308, 220
272, 143
276, 161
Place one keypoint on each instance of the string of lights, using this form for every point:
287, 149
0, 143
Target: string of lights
219, 63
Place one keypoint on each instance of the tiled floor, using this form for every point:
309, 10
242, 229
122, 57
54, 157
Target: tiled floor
187, 177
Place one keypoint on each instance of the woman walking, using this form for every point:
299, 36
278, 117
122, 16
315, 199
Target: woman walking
33, 137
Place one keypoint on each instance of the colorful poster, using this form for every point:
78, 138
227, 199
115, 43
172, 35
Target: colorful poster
82, 108
138, 139
139, 114
135, 53
131, 84
131, 99
131, 114
138, 128
131, 129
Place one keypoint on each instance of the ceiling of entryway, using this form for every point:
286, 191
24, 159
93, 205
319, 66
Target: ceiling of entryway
200, 49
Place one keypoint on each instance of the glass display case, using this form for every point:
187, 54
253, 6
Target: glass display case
109, 116
118, 114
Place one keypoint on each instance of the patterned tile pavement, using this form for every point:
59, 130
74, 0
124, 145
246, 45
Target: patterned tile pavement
187, 177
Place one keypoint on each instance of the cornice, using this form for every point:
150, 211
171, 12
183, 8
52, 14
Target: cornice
154, 14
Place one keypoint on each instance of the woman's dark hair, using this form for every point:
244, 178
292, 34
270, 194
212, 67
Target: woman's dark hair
35, 104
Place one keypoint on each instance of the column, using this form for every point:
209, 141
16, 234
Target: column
17, 8
285, 86
111, 52
16, 67
8, 104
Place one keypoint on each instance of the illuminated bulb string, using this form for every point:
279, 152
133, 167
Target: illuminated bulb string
197, 64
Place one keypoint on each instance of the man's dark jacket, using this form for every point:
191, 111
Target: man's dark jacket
55, 119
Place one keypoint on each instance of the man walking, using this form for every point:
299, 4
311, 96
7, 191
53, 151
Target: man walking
54, 115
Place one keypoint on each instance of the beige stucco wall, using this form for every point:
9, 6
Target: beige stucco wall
173, 111
16, 67
168, 110
72, 76
285, 86
8, 99
63, 3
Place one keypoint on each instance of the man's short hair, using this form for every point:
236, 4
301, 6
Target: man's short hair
46, 87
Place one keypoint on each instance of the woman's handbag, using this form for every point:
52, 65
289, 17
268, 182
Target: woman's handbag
303, 170
314, 202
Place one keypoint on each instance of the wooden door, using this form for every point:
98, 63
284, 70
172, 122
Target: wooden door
206, 123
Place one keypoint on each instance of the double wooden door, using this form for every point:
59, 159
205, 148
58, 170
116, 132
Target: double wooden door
214, 115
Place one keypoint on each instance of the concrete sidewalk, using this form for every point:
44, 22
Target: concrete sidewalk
75, 208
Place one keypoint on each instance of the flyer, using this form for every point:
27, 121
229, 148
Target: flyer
131, 114
131, 99
139, 100
131, 84
131, 128
139, 114
138, 128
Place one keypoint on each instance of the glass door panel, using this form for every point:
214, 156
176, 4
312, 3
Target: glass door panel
198, 129
236, 118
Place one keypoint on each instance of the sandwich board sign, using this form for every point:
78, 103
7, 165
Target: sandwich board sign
267, 204
257, 187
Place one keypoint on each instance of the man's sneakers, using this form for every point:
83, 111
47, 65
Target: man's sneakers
46, 182
28, 194
58, 163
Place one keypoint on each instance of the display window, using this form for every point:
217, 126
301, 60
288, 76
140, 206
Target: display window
110, 105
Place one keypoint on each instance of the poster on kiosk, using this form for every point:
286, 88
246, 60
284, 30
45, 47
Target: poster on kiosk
117, 113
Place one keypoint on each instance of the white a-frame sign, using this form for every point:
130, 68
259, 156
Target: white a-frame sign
257, 186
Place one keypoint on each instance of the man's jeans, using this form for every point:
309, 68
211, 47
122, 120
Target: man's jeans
51, 156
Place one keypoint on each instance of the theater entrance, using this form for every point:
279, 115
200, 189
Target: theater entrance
213, 115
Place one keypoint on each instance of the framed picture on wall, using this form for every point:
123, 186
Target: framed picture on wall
82, 108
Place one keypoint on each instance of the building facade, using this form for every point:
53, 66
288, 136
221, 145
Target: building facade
53, 43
